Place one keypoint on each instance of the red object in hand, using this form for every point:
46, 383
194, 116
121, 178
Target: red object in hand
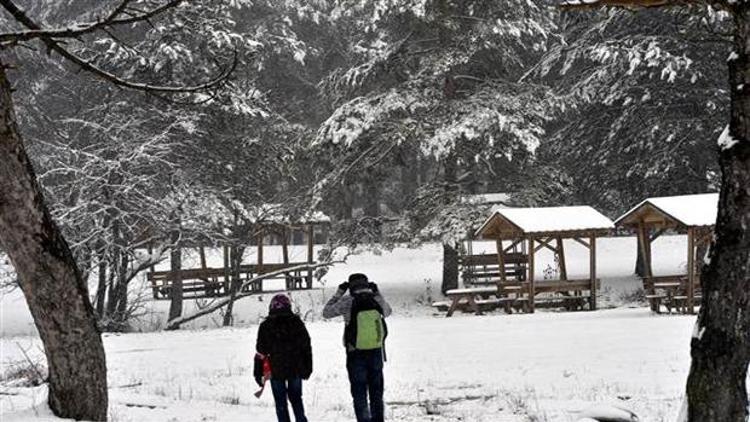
266, 373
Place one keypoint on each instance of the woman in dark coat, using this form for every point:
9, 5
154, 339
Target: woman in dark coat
284, 341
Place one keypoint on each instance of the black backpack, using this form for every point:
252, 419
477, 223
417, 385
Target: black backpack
367, 329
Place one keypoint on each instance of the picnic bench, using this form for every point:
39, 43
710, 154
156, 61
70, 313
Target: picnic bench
484, 269
214, 282
516, 296
670, 291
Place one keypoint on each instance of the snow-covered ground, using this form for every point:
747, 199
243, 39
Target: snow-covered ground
543, 367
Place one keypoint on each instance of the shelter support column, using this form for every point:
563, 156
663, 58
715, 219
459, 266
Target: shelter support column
561, 259
225, 252
690, 271
310, 245
532, 287
284, 245
259, 267
592, 271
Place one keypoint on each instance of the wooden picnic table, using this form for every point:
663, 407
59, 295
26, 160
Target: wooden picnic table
513, 294
670, 291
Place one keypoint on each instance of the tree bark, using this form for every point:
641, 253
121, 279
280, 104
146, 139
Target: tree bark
236, 260
101, 288
50, 280
450, 252
720, 347
450, 268
640, 265
175, 262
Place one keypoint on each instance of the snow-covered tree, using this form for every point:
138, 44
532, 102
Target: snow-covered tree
720, 345
645, 98
441, 76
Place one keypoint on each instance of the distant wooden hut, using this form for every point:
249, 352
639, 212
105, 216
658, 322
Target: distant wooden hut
266, 221
694, 215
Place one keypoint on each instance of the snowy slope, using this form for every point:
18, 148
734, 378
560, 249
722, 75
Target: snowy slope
551, 366
488, 368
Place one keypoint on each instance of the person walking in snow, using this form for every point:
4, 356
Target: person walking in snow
283, 346
364, 311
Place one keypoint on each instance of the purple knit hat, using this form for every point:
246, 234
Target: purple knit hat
279, 302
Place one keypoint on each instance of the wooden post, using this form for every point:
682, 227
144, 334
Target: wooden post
284, 245
310, 245
532, 287
501, 260
259, 263
561, 259
151, 268
226, 268
202, 253
259, 241
592, 271
690, 270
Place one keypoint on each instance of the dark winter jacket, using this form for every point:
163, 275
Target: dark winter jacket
284, 339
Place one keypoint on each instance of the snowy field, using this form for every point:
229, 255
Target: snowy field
549, 366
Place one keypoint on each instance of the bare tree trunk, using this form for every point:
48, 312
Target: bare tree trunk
49, 278
450, 254
640, 265
235, 260
721, 344
175, 261
101, 288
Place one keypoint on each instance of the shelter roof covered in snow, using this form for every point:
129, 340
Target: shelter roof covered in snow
519, 222
674, 211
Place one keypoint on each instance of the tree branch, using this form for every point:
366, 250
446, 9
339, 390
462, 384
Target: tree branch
113, 19
175, 323
88, 66
637, 4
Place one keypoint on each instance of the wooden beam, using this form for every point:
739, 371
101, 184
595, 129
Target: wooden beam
582, 242
530, 278
561, 259
202, 254
513, 245
545, 244
656, 235
592, 272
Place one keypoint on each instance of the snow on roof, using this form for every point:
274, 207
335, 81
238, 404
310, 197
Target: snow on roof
688, 210
552, 219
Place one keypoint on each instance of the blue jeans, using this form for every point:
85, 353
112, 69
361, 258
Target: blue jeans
291, 390
365, 369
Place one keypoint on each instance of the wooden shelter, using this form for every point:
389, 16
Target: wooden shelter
694, 215
538, 228
483, 268
267, 223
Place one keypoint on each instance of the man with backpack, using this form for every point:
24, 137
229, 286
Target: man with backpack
364, 311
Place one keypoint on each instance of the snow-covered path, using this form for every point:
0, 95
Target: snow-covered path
486, 368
